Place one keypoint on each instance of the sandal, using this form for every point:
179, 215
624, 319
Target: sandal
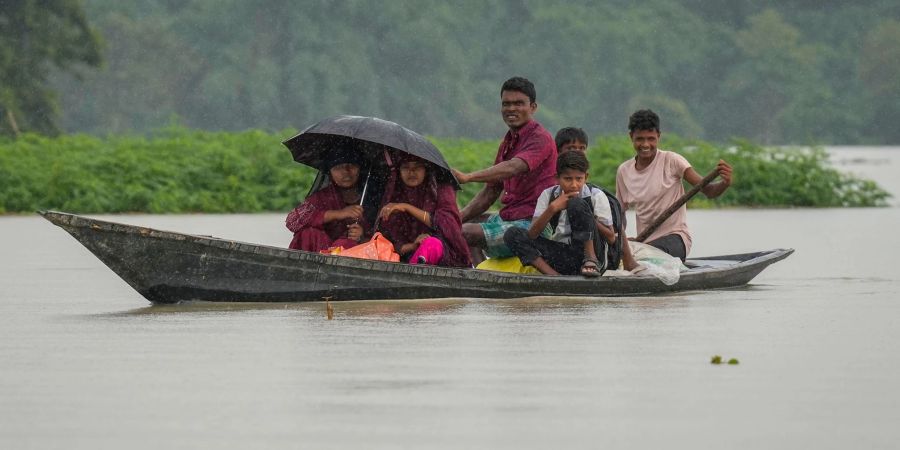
590, 268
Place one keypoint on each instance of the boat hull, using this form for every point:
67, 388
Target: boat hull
169, 267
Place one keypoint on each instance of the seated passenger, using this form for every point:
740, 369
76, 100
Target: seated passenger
523, 167
581, 219
571, 138
332, 216
421, 218
575, 139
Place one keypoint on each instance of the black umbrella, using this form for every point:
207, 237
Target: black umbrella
368, 135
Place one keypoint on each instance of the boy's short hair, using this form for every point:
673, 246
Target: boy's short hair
644, 119
568, 135
572, 161
520, 84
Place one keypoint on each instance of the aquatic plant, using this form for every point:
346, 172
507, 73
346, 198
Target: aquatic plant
177, 170
717, 359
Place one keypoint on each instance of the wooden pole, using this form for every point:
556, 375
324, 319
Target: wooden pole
681, 201
329, 310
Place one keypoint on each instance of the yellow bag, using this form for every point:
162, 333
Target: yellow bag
511, 264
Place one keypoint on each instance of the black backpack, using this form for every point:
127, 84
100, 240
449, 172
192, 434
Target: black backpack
614, 252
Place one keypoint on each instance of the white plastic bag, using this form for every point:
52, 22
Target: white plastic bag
657, 262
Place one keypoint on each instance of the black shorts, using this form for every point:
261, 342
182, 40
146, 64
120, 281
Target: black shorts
671, 244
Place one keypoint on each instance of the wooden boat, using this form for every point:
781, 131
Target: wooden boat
168, 267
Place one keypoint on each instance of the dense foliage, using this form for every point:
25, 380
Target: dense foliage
180, 170
775, 72
33, 37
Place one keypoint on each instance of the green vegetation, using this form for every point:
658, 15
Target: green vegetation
181, 170
176, 170
33, 37
774, 72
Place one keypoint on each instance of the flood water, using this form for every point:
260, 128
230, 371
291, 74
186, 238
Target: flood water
86, 363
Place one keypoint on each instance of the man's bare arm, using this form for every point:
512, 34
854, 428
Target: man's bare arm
495, 173
711, 190
482, 201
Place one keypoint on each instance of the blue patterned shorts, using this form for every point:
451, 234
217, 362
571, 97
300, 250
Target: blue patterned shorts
495, 227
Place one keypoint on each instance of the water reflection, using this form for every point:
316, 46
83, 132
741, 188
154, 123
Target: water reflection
575, 305
373, 308
426, 307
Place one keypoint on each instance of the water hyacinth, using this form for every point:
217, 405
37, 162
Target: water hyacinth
178, 170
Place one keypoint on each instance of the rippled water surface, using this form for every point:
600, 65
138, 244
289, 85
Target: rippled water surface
85, 362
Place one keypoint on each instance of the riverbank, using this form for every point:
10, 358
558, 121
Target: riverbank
177, 170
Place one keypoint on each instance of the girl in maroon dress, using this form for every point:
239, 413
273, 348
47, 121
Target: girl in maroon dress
421, 218
332, 216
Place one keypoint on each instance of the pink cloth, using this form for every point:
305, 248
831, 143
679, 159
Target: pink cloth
431, 248
652, 190
311, 233
533, 144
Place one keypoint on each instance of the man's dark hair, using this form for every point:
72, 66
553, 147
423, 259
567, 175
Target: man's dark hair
644, 119
570, 134
522, 85
572, 161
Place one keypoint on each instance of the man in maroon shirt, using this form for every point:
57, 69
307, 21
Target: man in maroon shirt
525, 165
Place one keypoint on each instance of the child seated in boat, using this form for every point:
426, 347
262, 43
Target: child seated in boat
420, 216
575, 139
332, 216
571, 138
581, 219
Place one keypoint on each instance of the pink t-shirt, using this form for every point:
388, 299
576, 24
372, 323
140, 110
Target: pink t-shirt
651, 190
533, 144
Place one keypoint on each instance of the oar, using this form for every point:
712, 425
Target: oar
684, 199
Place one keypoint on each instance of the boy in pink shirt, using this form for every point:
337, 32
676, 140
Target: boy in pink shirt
651, 182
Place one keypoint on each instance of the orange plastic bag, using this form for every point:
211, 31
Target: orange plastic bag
377, 248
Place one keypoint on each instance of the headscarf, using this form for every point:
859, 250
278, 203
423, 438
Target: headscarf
344, 156
311, 213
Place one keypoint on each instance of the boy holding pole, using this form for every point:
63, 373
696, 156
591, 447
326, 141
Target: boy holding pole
651, 182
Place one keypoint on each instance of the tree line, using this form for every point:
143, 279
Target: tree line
775, 72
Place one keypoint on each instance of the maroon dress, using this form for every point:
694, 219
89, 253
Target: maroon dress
439, 201
307, 222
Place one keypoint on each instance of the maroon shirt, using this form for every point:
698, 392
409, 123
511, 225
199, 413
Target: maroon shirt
533, 144
311, 214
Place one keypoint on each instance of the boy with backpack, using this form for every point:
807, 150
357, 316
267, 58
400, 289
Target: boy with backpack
575, 139
581, 219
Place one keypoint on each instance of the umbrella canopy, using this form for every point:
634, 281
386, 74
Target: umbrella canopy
368, 135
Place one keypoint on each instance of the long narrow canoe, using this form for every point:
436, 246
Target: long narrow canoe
168, 267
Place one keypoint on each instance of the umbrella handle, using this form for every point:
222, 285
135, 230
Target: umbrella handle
365, 187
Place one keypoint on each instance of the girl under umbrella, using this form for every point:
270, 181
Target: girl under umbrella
332, 216
420, 216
